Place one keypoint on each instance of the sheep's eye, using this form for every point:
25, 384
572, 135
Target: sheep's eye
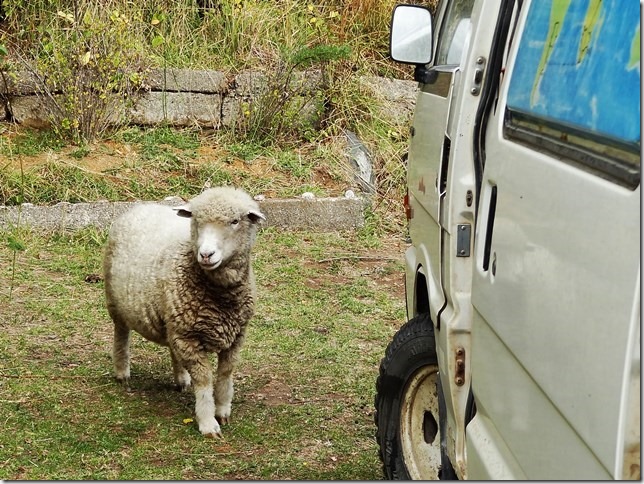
234, 222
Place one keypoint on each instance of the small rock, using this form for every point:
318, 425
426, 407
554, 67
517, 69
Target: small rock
308, 196
349, 194
260, 197
93, 278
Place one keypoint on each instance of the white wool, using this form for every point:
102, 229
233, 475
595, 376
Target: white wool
181, 277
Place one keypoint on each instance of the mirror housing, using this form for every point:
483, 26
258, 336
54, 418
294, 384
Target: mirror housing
410, 40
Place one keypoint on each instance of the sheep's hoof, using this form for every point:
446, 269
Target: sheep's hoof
222, 420
214, 435
124, 381
210, 429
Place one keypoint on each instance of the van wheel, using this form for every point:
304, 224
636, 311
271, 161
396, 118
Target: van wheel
407, 404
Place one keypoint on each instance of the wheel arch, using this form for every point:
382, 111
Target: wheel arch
421, 292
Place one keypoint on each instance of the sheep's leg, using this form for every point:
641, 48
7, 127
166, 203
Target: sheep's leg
227, 361
181, 375
121, 353
197, 364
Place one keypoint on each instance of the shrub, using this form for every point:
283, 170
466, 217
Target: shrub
87, 67
294, 99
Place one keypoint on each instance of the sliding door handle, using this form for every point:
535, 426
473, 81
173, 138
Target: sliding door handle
489, 229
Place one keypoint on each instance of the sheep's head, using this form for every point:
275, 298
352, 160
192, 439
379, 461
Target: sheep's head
223, 224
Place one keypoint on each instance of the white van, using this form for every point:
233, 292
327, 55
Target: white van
521, 356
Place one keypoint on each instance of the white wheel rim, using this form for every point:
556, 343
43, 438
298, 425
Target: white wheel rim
418, 416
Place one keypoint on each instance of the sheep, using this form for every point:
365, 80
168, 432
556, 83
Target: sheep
182, 278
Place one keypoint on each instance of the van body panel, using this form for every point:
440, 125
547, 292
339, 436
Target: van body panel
543, 311
457, 216
519, 434
555, 305
425, 150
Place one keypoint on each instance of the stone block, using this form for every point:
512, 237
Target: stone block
317, 214
186, 80
20, 83
32, 111
230, 110
250, 83
178, 109
397, 97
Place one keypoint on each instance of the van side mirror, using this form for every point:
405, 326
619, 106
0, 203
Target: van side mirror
410, 40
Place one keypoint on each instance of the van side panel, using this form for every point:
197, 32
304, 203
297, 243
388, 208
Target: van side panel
425, 151
552, 310
559, 304
533, 440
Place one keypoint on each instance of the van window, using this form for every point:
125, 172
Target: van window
575, 86
455, 33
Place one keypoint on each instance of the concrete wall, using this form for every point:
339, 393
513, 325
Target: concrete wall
182, 97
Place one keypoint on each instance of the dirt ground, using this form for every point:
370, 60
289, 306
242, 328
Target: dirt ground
270, 171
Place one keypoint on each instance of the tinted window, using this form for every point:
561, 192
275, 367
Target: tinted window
575, 87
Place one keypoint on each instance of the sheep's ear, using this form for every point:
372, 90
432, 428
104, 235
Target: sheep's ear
183, 211
255, 216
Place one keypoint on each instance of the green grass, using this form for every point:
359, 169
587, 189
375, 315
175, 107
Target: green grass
30, 142
237, 35
304, 387
305, 384
154, 163
151, 139
123, 40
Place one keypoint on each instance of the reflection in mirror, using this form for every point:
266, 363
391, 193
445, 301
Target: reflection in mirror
411, 35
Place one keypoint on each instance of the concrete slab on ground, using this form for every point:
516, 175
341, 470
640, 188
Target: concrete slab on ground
316, 214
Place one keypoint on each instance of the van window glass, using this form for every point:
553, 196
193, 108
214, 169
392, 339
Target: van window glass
575, 86
455, 33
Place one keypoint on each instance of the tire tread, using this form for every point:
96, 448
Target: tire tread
417, 330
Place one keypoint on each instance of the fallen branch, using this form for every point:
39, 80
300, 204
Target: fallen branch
357, 257
53, 377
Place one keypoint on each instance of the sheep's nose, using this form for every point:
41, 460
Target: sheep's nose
205, 256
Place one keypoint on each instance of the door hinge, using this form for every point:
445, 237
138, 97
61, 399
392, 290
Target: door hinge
463, 236
459, 376
478, 76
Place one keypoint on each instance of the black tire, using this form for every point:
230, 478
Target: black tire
407, 404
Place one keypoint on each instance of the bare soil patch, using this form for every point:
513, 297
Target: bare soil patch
144, 168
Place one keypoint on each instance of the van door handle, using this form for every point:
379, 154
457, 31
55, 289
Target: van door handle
442, 184
489, 228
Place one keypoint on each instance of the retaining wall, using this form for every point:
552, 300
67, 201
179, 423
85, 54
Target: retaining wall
183, 97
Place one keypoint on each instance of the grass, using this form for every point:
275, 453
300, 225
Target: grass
154, 163
328, 303
304, 387
236, 35
101, 56
30, 143
277, 154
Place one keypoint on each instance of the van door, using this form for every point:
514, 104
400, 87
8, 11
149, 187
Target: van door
440, 174
556, 281
429, 147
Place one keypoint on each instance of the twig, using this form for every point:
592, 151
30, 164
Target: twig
52, 377
91, 172
241, 452
357, 257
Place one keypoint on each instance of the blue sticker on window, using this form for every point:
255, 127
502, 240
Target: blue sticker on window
578, 65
